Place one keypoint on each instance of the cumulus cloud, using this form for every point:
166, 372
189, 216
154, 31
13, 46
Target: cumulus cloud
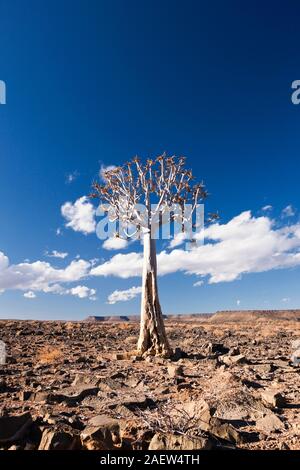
30, 295
56, 254
115, 243
80, 215
246, 244
288, 211
120, 265
267, 208
82, 292
124, 295
40, 275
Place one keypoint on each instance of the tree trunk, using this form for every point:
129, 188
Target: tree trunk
153, 339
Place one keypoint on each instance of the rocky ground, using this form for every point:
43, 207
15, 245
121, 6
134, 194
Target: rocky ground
69, 385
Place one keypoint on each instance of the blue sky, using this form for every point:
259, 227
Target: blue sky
94, 83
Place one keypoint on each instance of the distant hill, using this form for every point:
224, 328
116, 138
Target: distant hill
134, 318
253, 315
218, 317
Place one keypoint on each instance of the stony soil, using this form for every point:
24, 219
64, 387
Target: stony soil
77, 385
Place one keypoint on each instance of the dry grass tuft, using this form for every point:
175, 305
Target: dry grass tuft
49, 354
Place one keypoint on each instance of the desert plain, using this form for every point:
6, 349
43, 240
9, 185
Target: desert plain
233, 383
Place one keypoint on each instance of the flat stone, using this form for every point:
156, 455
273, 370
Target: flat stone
102, 433
71, 395
232, 360
174, 442
269, 423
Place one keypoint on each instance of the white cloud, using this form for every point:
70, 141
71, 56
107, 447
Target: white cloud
115, 243
58, 231
124, 295
120, 265
82, 292
56, 254
40, 275
103, 169
80, 216
30, 295
267, 208
198, 283
246, 244
285, 299
238, 302
288, 211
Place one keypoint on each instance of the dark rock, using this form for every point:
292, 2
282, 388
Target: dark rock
218, 348
70, 395
3, 386
25, 395
14, 427
59, 440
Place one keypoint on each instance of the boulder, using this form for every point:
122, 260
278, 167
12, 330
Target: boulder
295, 358
175, 371
295, 344
59, 440
199, 411
101, 433
179, 442
273, 398
225, 431
269, 423
13, 428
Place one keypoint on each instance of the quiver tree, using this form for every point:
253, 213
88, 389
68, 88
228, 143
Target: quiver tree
139, 196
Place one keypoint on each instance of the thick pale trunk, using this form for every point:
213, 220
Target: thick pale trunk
153, 339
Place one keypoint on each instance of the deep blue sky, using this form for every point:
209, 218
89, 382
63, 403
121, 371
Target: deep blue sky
91, 82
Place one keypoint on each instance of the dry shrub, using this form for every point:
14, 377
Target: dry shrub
49, 354
123, 326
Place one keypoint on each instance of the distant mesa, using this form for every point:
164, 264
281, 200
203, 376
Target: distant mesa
254, 315
218, 317
135, 318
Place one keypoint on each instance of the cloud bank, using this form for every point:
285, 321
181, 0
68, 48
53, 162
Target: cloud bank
246, 244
